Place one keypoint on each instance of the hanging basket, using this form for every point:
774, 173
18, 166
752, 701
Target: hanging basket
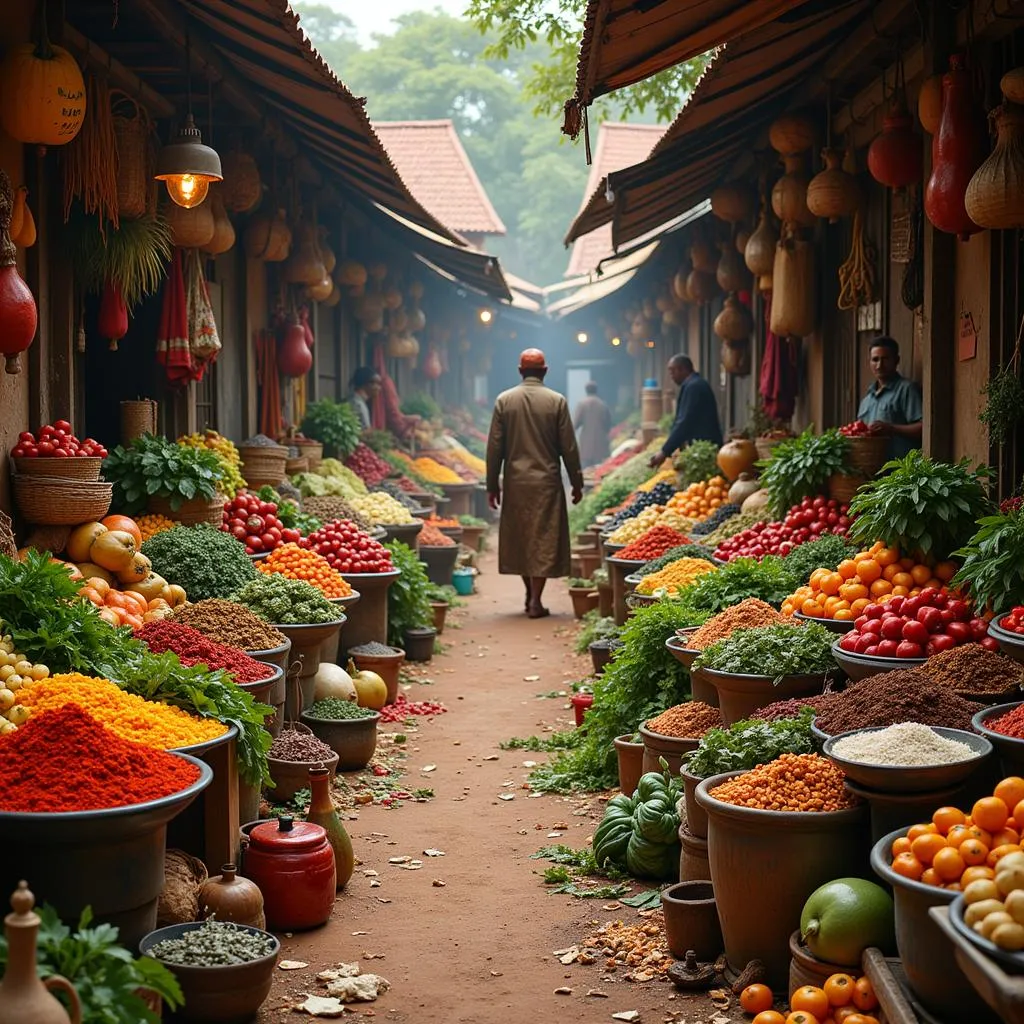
132, 135
55, 501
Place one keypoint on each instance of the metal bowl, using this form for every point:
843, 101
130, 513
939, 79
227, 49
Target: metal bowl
1010, 644
832, 625
863, 666
1013, 961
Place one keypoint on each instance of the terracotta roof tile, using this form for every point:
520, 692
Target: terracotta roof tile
434, 165
618, 145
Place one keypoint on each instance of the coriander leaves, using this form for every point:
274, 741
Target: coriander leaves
775, 651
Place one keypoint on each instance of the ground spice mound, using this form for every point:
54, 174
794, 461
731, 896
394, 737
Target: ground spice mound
290, 745
230, 623
65, 760
690, 720
904, 695
792, 782
748, 614
972, 669
791, 708
193, 648
1010, 724
640, 948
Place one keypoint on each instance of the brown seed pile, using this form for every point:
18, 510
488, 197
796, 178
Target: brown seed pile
971, 669
642, 948
291, 745
904, 695
791, 708
748, 614
792, 782
230, 623
329, 507
690, 720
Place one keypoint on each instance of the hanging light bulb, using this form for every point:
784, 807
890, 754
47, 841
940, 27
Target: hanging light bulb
582, 337
616, 341
187, 167
486, 316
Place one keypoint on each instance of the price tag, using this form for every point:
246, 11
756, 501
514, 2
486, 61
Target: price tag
968, 339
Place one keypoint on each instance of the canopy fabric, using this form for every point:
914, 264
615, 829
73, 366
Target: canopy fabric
626, 41
749, 82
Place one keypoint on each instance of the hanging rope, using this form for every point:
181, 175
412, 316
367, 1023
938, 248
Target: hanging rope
912, 285
90, 159
857, 274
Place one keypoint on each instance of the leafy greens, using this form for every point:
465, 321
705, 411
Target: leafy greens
993, 569
776, 651
800, 467
745, 745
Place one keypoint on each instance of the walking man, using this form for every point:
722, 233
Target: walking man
531, 436
696, 410
593, 421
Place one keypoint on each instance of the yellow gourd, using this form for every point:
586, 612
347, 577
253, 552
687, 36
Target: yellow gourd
25, 236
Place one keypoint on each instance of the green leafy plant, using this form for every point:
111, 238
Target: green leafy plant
776, 651
921, 506
379, 441
993, 569
800, 467
579, 583
612, 491
696, 462
289, 602
153, 467
334, 424
713, 592
821, 553
409, 596
421, 404
747, 744
594, 627
106, 976
1004, 397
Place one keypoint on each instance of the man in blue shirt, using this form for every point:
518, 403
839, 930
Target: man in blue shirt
892, 406
696, 410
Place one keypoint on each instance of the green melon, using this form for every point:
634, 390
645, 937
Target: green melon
844, 917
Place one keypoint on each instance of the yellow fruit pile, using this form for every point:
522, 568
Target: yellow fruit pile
675, 576
637, 526
151, 525
232, 481
380, 508
433, 471
699, 500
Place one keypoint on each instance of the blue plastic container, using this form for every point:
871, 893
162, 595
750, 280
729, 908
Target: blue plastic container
462, 581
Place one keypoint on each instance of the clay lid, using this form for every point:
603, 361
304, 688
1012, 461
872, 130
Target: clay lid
287, 835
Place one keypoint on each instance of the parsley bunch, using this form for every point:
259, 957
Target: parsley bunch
776, 651
800, 467
204, 560
768, 579
745, 745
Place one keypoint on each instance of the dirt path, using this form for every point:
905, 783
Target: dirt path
477, 949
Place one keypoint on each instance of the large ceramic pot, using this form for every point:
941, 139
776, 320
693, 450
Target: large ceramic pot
630, 756
439, 561
696, 816
739, 696
1010, 644
368, 620
307, 642
419, 643
387, 666
672, 748
354, 740
618, 570
794, 853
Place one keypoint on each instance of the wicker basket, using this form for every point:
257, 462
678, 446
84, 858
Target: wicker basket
132, 134
299, 465
138, 418
868, 454
842, 488
766, 445
313, 451
191, 513
57, 501
68, 469
263, 465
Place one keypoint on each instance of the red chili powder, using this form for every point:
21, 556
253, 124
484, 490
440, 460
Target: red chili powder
1010, 724
65, 760
193, 648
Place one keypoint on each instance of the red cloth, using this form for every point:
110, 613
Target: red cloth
378, 410
780, 372
173, 352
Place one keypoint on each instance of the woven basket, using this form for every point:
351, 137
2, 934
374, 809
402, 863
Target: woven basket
56, 501
313, 450
191, 513
842, 488
68, 469
138, 418
299, 465
868, 454
263, 465
132, 133
766, 445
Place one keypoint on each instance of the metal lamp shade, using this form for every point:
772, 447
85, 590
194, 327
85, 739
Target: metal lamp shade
187, 167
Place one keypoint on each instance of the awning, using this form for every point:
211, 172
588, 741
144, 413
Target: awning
626, 41
749, 83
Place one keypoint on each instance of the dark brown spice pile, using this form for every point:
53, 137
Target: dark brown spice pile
904, 695
972, 669
791, 708
690, 720
300, 746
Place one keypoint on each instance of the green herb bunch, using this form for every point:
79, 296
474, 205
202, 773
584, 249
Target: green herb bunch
776, 651
153, 467
286, 602
713, 592
204, 560
821, 553
993, 569
421, 404
745, 745
334, 424
920, 505
1004, 403
106, 976
409, 596
593, 627
800, 467
696, 462
379, 441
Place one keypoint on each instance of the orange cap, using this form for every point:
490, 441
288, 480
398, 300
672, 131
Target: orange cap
532, 359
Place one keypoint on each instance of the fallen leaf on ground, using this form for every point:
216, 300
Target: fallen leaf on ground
428, 768
398, 860
506, 796
383, 899
291, 965
530, 679
370, 873
491, 757
321, 1006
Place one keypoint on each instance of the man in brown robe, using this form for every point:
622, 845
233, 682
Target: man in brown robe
531, 435
593, 420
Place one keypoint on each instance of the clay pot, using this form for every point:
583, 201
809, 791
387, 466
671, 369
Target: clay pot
387, 666
806, 969
227, 897
419, 643
672, 748
739, 696
696, 816
291, 776
693, 857
600, 656
691, 920
584, 599
353, 740
631, 759
440, 609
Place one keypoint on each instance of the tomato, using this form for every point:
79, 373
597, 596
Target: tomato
930, 618
979, 628
875, 611
888, 648
255, 543
850, 641
959, 631
915, 632
940, 642
908, 649
892, 628
991, 644
960, 610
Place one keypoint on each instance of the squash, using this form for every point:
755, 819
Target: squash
756, 502
612, 836
746, 485
371, 690
333, 681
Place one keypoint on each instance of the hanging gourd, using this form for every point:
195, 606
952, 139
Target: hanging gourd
321, 291
1012, 85
294, 358
18, 312
242, 187
789, 194
731, 272
432, 368
791, 134
417, 319
326, 252
334, 298
733, 203
958, 150
679, 289
741, 239
305, 266
392, 298
702, 256
833, 193
112, 319
398, 320
701, 286
351, 274
929, 104
734, 323
191, 227
895, 157
759, 254
792, 312
23, 224
995, 196
43, 92
223, 230
267, 236
736, 357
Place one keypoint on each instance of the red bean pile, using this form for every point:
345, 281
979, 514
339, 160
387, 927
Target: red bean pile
193, 648
403, 709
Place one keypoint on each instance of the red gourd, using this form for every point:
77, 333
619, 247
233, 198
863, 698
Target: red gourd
18, 313
958, 149
432, 364
894, 157
113, 315
293, 356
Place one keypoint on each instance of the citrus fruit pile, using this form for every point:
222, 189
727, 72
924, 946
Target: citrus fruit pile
700, 499
843, 999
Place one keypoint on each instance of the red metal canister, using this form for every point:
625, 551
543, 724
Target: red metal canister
293, 864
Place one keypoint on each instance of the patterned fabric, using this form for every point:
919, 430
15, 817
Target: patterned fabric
172, 345
203, 340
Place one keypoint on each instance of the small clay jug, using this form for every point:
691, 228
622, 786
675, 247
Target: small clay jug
23, 997
321, 812
227, 897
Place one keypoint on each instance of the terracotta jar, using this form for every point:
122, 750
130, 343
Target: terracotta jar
293, 864
321, 812
230, 898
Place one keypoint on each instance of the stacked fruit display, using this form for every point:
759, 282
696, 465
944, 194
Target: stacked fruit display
842, 998
255, 524
56, 441
348, 549
858, 428
699, 500
813, 517
368, 465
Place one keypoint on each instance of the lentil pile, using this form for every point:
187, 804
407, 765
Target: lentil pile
904, 745
128, 716
748, 614
690, 720
331, 709
674, 577
65, 760
970, 668
291, 745
214, 944
1010, 724
193, 648
793, 782
431, 537
329, 507
903, 695
230, 623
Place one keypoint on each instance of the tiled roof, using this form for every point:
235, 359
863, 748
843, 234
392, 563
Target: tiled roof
433, 164
618, 145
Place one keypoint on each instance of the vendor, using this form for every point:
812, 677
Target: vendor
365, 384
892, 406
696, 410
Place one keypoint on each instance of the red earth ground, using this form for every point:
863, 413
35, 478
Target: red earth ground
479, 949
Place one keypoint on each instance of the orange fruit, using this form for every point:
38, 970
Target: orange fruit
902, 579
1010, 790
887, 556
854, 591
1005, 837
999, 852
921, 574
901, 845
890, 570
1018, 815
839, 989
931, 877
945, 571
948, 864
973, 851
756, 998
864, 997
831, 583
868, 570
841, 1013
990, 813
919, 830
802, 1017
810, 999
861, 1018
880, 588
847, 568
908, 865
769, 1017
977, 873
925, 847
946, 817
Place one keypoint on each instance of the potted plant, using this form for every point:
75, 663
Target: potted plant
440, 601
334, 425
583, 594
605, 600
169, 479
410, 614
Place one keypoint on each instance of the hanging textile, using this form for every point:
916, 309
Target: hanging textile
203, 339
172, 345
780, 372
269, 383
391, 416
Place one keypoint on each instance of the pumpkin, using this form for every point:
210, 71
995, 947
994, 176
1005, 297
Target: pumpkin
44, 93
736, 458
